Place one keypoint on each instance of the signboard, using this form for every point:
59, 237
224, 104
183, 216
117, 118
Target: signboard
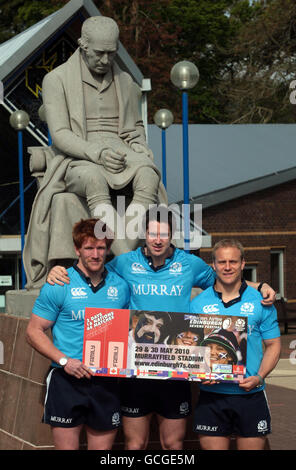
165, 345
5, 281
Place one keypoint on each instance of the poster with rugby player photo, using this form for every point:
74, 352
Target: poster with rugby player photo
165, 345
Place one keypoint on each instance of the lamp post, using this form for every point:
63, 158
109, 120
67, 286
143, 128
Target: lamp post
42, 116
185, 75
163, 118
19, 120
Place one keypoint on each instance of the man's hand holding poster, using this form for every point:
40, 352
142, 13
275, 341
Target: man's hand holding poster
164, 345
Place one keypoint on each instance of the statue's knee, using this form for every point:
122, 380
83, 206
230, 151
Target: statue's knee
95, 182
146, 179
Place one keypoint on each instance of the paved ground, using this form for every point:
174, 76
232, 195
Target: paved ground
281, 394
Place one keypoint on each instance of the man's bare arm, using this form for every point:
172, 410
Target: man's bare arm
268, 363
39, 340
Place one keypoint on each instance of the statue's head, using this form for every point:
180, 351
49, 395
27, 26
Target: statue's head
99, 43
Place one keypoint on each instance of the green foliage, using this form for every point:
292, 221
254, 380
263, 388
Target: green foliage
207, 29
263, 66
7, 10
244, 12
18, 15
157, 34
33, 11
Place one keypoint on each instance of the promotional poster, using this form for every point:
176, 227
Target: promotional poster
165, 345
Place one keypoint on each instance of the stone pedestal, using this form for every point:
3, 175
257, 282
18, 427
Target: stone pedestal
20, 302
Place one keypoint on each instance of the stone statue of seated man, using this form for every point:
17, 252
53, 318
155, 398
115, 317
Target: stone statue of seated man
92, 110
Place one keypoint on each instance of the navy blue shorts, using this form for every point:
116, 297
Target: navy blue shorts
168, 398
70, 402
218, 414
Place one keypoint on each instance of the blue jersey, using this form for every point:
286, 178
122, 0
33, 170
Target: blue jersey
262, 325
167, 288
65, 306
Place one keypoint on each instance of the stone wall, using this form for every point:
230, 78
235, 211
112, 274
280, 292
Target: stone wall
22, 392
22, 389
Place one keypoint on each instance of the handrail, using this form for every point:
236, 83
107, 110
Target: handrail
16, 199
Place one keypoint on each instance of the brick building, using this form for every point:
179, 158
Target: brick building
265, 224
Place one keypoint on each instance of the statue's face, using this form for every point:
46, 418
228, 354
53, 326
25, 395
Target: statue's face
99, 55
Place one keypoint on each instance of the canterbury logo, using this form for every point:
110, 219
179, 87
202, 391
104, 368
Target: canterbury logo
78, 292
211, 308
138, 268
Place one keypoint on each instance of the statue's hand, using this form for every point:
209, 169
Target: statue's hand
113, 161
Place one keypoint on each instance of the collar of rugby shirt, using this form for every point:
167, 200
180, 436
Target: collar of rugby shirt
88, 280
149, 258
242, 289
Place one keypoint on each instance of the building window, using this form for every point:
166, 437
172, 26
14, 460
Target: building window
277, 271
250, 273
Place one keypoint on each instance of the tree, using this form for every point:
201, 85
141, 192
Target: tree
150, 39
208, 30
158, 34
263, 65
17, 15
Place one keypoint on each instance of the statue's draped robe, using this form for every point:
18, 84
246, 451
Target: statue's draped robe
64, 103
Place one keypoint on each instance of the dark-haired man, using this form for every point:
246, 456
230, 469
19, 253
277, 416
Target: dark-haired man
75, 398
